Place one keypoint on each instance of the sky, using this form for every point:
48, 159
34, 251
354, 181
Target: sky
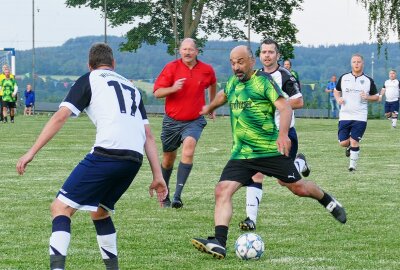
321, 22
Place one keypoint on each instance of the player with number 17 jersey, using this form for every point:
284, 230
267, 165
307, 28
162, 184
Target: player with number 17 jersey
120, 126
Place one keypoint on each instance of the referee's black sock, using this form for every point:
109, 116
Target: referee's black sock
166, 173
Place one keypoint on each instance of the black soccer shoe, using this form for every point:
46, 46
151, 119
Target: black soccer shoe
307, 170
347, 152
210, 246
247, 225
337, 211
177, 203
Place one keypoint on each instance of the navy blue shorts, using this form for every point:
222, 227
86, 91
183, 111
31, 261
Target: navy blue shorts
98, 181
392, 107
174, 132
242, 170
351, 128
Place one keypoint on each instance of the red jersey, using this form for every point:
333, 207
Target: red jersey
186, 103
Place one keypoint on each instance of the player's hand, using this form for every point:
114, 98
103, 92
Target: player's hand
212, 115
380, 98
23, 162
340, 101
363, 96
284, 144
158, 185
205, 110
178, 84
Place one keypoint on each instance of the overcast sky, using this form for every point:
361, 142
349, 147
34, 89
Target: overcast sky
322, 22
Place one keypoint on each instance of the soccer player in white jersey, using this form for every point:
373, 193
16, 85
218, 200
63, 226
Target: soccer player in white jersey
391, 89
116, 108
352, 92
269, 57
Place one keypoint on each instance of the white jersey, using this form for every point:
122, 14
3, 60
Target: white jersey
392, 90
289, 85
355, 108
116, 109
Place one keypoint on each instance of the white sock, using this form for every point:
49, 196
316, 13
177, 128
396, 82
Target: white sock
107, 244
300, 165
394, 121
253, 199
59, 240
354, 158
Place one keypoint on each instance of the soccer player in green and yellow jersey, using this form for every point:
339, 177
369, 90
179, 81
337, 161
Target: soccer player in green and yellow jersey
258, 146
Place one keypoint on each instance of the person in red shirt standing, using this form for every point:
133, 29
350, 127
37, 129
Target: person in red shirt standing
183, 83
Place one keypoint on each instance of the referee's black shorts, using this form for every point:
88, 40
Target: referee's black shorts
242, 170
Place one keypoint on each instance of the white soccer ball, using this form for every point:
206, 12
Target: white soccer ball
249, 246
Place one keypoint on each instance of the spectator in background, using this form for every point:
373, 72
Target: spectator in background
9, 87
29, 100
391, 89
183, 83
2, 77
288, 65
330, 87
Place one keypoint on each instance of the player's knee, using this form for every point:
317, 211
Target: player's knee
298, 189
388, 115
258, 178
344, 143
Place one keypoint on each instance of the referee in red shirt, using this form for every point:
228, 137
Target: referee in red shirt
183, 83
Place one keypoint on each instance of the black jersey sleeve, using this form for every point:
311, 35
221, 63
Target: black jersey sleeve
80, 93
339, 84
142, 109
372, 89
290, 85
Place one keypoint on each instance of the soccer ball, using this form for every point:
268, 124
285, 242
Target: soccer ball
249, 246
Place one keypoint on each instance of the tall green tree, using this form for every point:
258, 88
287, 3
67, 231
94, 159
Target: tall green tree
169, 21
384, 18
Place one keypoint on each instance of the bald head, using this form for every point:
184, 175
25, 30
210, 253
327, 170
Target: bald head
242, 62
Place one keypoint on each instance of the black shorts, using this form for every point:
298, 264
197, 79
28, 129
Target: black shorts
8, 104
242, 170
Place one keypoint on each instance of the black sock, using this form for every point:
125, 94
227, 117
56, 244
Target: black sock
355, 149
326, 199
182, 176
221, 233
12, 118
166, 173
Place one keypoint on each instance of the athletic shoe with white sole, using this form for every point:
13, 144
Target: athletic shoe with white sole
337, 211
210, 246
247, 225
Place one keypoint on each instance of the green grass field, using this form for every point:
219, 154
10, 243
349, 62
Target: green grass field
298, 232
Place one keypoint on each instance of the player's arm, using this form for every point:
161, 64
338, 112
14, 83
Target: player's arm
285, 112
296, 103
158, 183
338, 96
165, 91
55, 123
218, 101
212, 91
382, 93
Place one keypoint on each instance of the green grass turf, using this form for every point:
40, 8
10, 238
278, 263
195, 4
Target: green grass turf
298, 232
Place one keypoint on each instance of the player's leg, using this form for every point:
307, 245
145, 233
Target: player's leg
106, 237
254, 194
395, 112
12, 111
191, 132
113, 184
61, 233
26, 110
171, 140
357, 131
5, 108
300, 160
284, 169
1, 108
344, 128
238, 170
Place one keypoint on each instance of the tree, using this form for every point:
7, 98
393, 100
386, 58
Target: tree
384, 18
169, 21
